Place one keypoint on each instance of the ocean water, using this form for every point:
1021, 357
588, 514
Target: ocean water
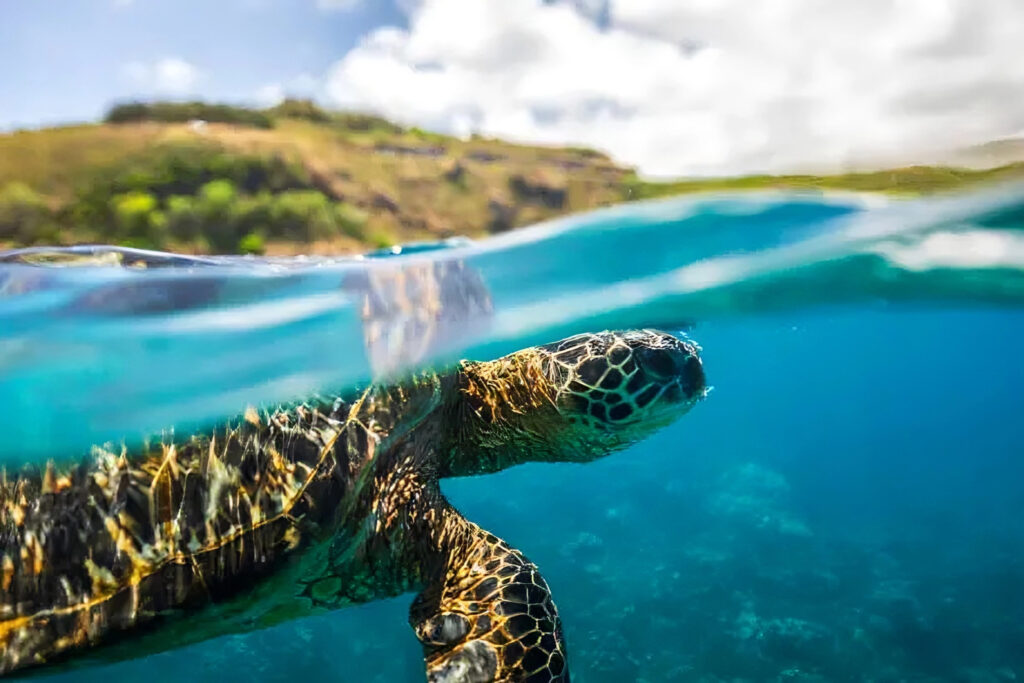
846, 505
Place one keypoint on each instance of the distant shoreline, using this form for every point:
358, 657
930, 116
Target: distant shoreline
202, 178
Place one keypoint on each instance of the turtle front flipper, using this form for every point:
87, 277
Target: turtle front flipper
486, 614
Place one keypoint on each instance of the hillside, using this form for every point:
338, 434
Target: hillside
297, 179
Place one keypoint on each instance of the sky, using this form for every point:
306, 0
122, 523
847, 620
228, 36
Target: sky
674, 87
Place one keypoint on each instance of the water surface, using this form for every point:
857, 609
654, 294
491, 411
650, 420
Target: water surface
846, 505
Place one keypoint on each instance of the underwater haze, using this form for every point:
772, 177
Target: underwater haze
847, 504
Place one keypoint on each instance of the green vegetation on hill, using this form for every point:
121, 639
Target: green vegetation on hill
342, 120
183, 112
206, 199
195, 197
297, 178
912, 180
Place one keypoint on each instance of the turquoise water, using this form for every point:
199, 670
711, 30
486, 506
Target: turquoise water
846, 505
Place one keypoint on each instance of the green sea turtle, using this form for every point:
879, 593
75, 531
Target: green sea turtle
325, 504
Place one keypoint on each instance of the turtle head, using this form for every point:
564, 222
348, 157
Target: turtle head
577, 399
625, 384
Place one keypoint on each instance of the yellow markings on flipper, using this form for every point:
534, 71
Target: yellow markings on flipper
394, 491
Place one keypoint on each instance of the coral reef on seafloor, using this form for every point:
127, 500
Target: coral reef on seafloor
760, 595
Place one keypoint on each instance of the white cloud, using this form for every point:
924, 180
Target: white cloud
337, 5
703, 86
168, 76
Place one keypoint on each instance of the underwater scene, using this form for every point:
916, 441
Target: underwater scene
845, 503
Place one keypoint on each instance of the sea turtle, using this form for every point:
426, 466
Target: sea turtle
328, 503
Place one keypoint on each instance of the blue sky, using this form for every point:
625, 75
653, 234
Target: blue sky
673, 87
67, 60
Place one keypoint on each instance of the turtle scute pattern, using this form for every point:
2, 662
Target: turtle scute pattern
490, 617
120, 540
613, 379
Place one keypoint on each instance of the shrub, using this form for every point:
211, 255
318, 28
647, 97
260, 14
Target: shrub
138, 220
300, 109
184, 168
305, 215
381, 240
217, 195
251, 243
203, 195
215, 205
171, 173
351, 220
184, 221
252, 213
181, 112
25, 217
127, 113
365, 123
